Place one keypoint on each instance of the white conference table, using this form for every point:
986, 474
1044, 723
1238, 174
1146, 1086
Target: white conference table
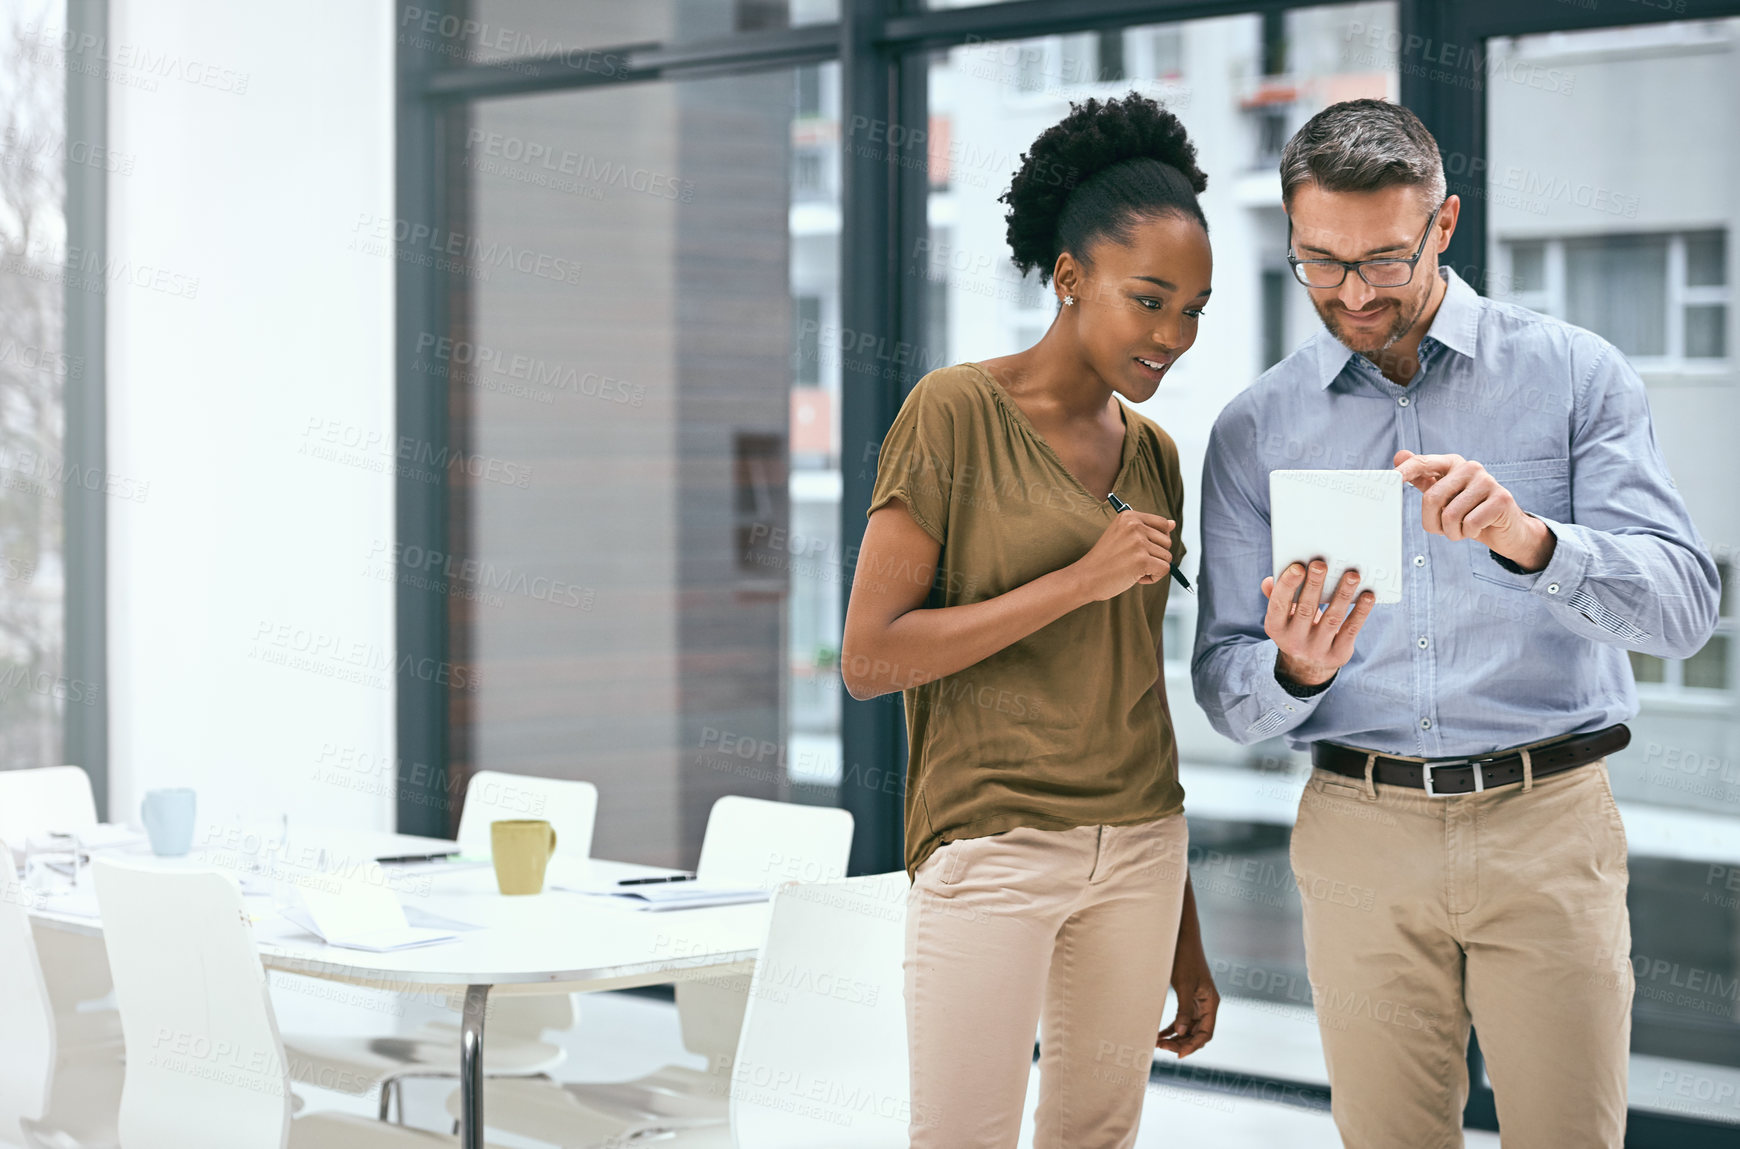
553, 942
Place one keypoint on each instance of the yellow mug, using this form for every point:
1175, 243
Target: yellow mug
521, 850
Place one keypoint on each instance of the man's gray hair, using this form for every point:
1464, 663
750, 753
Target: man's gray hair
1361, 146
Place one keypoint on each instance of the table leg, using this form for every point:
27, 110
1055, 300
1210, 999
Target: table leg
471, 1068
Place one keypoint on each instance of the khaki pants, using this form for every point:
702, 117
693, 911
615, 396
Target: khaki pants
1506, 907
1070, 931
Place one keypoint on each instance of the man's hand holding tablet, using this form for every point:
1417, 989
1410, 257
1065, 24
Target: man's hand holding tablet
1314, 634
1336, 546
1314, 625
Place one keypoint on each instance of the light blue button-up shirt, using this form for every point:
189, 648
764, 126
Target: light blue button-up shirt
1474, 658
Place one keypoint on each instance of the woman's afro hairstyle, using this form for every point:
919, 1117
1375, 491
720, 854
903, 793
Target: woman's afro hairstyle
1093, 174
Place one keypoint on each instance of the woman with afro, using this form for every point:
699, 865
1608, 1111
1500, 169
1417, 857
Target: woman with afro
1011, 584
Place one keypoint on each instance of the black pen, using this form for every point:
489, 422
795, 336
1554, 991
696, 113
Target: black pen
1120, 505
416, 858
667, 878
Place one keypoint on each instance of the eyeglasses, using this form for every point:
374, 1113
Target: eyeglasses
1377, 272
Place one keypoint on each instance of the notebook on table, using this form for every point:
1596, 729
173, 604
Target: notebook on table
359, 915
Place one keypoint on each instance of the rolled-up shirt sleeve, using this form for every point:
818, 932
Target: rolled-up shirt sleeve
1233, 666
1631, 570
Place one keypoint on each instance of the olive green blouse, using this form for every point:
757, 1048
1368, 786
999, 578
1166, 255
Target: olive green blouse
1070, 725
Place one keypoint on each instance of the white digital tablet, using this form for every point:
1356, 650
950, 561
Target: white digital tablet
1349, 519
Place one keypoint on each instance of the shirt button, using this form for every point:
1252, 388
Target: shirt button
1425, 724
1422, 643
1402, 402
1419, 560
1289, 708
1552, 588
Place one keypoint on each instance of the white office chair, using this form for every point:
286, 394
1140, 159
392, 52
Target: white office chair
570, 807
34, 803
516, 1046
749, 842
205, 1066
53, 1094
849, 1027
27, 1045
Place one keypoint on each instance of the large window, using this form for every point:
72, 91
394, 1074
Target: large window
1662, 297
649, 381
36, 271
759, 228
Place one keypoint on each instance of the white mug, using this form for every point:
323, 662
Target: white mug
168, 818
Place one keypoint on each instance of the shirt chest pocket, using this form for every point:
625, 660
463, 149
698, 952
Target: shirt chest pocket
1541, 487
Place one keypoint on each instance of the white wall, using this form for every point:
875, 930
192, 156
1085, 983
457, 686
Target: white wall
260, 136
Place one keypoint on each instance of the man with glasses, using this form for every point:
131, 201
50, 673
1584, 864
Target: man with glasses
1458, 852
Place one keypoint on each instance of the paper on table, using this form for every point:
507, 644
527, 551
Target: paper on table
91, 837
669, 895
80, 902
358, 915
109, 836
586, 879
1350, 519
423, 919
666, 900
440, 865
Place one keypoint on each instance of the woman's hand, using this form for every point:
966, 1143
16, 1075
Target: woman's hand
1136, 547
1198, 1000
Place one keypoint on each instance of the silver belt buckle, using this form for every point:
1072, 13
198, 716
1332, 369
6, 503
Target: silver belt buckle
1426, 769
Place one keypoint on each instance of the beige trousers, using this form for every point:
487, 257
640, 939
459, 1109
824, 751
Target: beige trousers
1506, 907
1070, 931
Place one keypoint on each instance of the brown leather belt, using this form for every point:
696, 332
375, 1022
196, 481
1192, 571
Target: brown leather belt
1440, 777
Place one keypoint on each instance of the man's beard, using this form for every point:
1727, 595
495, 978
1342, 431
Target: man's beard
1371, 342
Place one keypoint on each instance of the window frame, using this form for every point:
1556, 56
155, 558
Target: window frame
85, 526
1550, 299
